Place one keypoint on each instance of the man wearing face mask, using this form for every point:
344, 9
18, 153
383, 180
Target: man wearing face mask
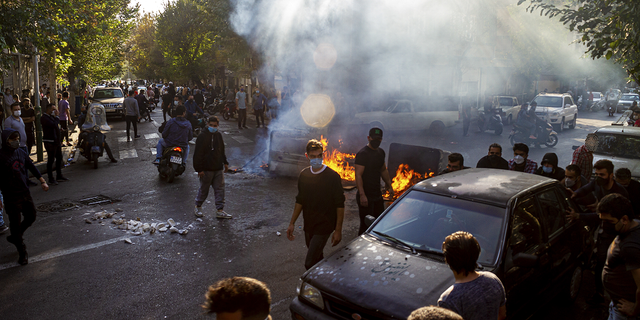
370, 167
210, 162
623, 177
621, 273
520, 161
321, 200
241, 104
549, 167
14, 163
573, 180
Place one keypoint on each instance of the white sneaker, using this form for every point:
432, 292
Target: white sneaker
223, 215
198, 212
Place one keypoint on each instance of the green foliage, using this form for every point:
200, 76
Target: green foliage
145, 55
608, 28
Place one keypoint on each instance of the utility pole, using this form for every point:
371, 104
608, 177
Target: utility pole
36, 84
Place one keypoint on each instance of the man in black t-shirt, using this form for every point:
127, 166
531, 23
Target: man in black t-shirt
321, 200
621, 274
28, 115
370, 167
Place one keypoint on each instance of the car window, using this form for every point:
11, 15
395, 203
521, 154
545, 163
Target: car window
552, 210
506, 102
526, 230
403, 107
107, 94
546, 101
424, 220
567, 101
618, 145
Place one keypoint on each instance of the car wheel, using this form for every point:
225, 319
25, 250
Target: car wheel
572, 125
437, 128
552, 141
561, 125
572, 287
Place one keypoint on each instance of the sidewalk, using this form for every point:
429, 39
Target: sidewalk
66, 153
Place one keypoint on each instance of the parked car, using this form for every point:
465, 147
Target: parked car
403, 115
626, 101
112, 98
621, 145
557, 109
505, 103
511, 114
397, 265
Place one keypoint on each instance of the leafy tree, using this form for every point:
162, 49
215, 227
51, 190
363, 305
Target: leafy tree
608, 28
145, 55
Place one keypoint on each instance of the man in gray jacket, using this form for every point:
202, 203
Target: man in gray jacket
131, 114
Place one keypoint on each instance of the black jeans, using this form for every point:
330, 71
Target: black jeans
374, 208
132, 120
14, 206
64, 130
315, 244
54, 152
242, 118
259, 116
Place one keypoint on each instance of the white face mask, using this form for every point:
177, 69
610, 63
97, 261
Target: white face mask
17, 113
518, 159
175, 103
569, 183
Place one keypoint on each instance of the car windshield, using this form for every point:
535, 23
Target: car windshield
618, 145
629, 97
107, 94
596, 95
423, 220
543, 101
508, 102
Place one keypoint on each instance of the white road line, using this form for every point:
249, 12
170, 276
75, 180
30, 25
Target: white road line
151, 136
52, 255
125, 154
122, 139
241, 139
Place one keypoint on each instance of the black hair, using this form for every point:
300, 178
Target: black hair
615, 205
461, 251
521, 147
456, 157
604, 164
495, 145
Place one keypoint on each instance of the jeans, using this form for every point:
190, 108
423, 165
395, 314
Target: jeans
16, 206
242, 118
1, 211
160, 150
259, 116
213, 179
374, 208
130, 120
614, 314
315, 243
64, 130
54, 152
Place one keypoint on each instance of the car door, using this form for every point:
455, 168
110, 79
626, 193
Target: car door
402, 117
527, 239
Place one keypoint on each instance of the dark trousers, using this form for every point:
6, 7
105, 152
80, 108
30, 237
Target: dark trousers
604, 241
315, 244
64, 130
374, 208
14, 206
132, 120
465, 126
165, 110
31, 140
54, 152
259, 116
242, 118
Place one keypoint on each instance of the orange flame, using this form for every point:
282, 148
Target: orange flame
338, 161
404, 179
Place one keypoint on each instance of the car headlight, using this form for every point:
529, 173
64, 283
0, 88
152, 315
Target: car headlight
311, 294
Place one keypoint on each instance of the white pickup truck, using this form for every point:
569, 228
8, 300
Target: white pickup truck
402, 115
557, 109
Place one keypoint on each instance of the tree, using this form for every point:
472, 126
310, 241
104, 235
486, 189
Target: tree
145, 55
608, 28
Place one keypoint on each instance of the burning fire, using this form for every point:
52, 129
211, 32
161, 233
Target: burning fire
338, 161
404, 179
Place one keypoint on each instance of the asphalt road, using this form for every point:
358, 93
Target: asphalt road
81, 270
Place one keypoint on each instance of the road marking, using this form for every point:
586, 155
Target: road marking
241, 139
151, 136
132, 153
122, 139
52, 255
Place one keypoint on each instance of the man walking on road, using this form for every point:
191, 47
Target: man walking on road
321, 200
131, 115
259, 104
370, 167
52, 143
14, 163
241, 104
15, 122
65, 117
210, 162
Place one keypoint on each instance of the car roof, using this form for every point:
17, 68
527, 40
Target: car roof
625, 130
493, 186
553, 94
107, 88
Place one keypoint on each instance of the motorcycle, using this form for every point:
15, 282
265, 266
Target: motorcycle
229, 110
199, 124
93, 140
611, 107
546, 136
494, 122
171, 164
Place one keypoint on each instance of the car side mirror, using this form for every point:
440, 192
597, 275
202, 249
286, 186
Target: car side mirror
567, 105
575, 147
368, 220
525, 260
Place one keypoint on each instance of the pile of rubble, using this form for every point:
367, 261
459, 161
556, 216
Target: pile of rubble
137, 227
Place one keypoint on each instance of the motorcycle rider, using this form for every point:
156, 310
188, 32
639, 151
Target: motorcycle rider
193, 109
83, 134
524, 121
177, 132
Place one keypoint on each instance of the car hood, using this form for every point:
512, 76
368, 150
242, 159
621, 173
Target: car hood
376, 276
109, 100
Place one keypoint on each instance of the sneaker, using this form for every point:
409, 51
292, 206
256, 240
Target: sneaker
3, 228
62, 179
156, 161
198, 212
114, 161
23, 256
53, 182
137, 136
223, 215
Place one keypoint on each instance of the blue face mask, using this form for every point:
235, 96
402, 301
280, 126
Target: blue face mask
316, 163
212, 129
547, 169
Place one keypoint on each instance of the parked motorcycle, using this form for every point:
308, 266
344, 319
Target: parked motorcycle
494, 122
546, 136
171, 164
92, 138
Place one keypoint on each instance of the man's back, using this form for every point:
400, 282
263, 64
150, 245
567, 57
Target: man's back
177, 132
478, 299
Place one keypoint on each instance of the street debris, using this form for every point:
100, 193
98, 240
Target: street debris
127, 240
136, 227
278, 233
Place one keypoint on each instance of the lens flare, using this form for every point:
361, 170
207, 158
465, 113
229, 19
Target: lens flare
317, 110
325, 56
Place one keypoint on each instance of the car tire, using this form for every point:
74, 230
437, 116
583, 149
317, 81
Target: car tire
571, 288
572, 125
437, 128
561, 125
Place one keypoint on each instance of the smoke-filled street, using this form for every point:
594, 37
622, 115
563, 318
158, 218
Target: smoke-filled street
85, 268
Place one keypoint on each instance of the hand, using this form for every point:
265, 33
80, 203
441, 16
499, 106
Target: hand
200, 174
572, 215
226, 168
626, 307
45, 186
336, 238
290, 235
363, 201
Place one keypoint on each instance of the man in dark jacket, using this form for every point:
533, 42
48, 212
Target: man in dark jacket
14, 163
549, 167
52, 142
177, 132
210, 162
